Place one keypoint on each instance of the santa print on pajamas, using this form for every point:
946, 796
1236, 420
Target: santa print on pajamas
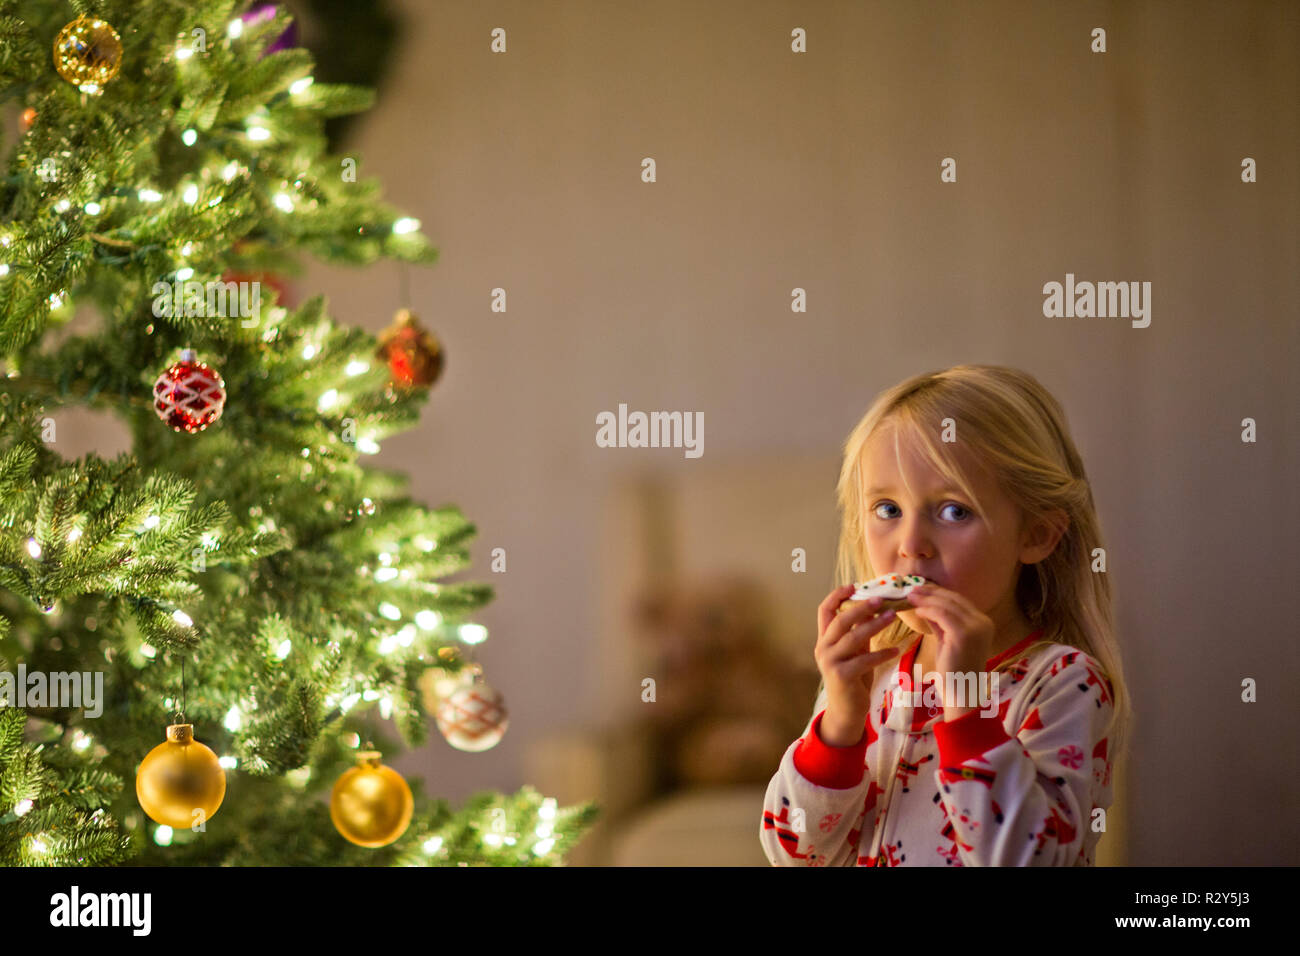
1017, 788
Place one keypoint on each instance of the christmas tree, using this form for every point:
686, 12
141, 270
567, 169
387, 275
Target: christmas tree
240, 573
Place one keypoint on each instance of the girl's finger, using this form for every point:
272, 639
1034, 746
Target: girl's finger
855, 639
875, 657
853, 617
954, 610
827, 609
867, 662
947, 622
941, 596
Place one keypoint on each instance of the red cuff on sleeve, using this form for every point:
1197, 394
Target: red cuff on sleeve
970, 735
838, 768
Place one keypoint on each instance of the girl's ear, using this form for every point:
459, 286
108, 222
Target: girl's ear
1042, 536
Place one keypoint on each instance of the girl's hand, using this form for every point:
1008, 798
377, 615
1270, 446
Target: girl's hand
965, 633
844, 654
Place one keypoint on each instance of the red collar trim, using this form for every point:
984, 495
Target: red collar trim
993, 662
905, 662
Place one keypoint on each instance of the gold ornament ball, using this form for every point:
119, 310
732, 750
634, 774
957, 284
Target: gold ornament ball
371, 805
88, 53
178, 777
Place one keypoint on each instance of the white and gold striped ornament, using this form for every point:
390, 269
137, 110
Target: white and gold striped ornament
473, 718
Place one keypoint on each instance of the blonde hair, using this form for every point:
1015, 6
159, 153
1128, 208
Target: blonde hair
1016, 429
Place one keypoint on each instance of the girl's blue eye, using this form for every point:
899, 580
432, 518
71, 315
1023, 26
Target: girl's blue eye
890, 504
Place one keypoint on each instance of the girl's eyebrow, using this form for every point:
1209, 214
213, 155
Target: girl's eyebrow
881, 491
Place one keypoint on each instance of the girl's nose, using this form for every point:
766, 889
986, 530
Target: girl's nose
914, 544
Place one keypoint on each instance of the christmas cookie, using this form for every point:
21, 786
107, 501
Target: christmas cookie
894, 588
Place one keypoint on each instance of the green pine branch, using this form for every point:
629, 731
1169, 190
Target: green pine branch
259, 578
52, 807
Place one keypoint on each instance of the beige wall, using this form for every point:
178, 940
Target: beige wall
821, 171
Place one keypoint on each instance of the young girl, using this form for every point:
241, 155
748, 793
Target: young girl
969, 478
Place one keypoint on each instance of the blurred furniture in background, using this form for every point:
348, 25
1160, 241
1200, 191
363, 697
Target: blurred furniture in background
698, 593
718, 710
701, 593
723, 701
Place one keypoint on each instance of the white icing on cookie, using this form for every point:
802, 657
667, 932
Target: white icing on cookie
893, 586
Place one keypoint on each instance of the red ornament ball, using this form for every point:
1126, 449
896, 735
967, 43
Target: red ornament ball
189, 396
414, 355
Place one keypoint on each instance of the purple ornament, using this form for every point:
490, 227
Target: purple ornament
261, 14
